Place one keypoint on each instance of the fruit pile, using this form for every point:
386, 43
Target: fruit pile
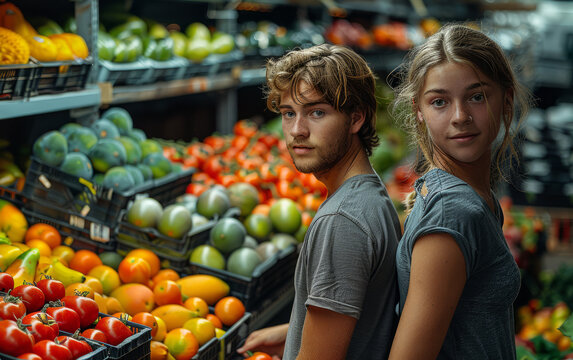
110, 152
19, 40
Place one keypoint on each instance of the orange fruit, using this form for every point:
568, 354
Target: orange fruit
108, 277
147, 319
101, 302
167, 292
181, 343
165, 274
229, 309
134, 270
149, 256
84, 260
41, 246
203, 329
113, 305
161, 329
64, 252
197, 305
45, 232
80, 289
215, 320
94, 283
159, 350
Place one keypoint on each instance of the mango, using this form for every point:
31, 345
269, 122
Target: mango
173, 315
82, 140
12, 222
107, 153
121, 118
78, 164
134, 298
118, 178
208, 287
8, 254
105, 129
51, 148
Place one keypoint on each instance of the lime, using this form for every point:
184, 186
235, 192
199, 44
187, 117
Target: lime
258, 226
285, 216
111, 259
207, 255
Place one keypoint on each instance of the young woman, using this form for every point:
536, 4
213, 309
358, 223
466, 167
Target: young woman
456, 275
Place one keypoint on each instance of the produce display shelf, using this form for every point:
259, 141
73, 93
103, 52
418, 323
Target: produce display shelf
41, 104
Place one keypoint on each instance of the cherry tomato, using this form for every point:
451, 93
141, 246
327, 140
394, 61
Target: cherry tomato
11, 307
14, 340
53, 289
6, 282
31, 296
114, 329
94, 334
42, 326
77, 346
30, 356
68, 319
87, 308
51, 350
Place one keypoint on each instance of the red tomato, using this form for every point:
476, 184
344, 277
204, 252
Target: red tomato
13, 339
77, 346
30, 356
94, 334
87, 308
50, 350
214, 165
6, 282
245, 127
42, 326
114, 329
68, 319
259, 356
11, 307
53, 289
31, 296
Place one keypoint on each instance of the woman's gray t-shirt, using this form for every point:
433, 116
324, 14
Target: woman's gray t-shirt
483, 324
347, 265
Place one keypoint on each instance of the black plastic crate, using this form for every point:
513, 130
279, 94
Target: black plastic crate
61, 76
173, 69
12, 194
73, 236
234, 337
16, 81
135, 73
83, 199
270, 275
135, 347
209, 351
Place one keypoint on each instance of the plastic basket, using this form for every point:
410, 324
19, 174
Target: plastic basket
135, 347
274, 303
12, 194
61, 76
83, 199
270, 275
209, 351
16, 81
136, 73
234, 337
173, 69
76, 231
99, 351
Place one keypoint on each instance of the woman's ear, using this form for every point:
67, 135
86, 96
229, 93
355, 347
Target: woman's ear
420, 116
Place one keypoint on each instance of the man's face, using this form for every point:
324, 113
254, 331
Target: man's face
317, 135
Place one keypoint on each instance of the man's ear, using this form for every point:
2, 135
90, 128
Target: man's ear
357, 119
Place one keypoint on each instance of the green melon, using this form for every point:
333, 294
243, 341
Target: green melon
132, 149
243, 261
68, 128
135, 174
51, 148
137, 134
159, 164
121, 118
150, 146
213, 203
175, 221
145, 171
144, 212
77, 164
228, 235
118, 178
105, 129
82, 140
107, 153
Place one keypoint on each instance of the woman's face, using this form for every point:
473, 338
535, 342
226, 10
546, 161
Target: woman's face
462, 110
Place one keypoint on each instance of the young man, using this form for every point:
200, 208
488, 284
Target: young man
345, 280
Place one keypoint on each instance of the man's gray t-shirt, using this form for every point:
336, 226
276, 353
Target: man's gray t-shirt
483, 324
347, 265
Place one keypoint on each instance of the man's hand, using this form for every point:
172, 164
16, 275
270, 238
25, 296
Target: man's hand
269, 340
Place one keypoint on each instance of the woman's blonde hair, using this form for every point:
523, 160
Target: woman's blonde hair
466, 45
341, 76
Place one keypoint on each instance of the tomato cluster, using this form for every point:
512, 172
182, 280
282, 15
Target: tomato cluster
33, 316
